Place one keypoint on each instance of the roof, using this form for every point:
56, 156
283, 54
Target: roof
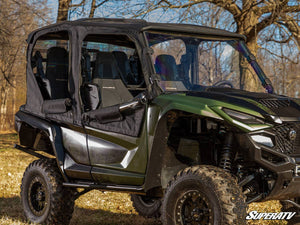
142, 25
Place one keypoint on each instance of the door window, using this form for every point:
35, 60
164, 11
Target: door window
50, 64
111, 63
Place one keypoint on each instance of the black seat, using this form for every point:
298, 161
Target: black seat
124, 67
166, 67
108, 77
57, 72
105, 66
42, 81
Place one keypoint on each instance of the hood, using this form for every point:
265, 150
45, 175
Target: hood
284, 107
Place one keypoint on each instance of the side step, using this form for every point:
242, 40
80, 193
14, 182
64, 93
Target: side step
108, 187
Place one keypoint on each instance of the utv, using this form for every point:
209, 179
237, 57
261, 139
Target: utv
154, 110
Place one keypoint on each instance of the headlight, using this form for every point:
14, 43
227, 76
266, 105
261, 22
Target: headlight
243, 117
267, 141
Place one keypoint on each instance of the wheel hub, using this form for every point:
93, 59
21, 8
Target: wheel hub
37, 197
40, 195
193, 209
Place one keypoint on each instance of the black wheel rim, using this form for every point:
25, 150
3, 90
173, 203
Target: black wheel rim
193, 208
37, 196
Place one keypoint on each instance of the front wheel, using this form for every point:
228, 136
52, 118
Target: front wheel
43, 196
203, 195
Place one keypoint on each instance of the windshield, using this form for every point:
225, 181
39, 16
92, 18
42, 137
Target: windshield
188, 63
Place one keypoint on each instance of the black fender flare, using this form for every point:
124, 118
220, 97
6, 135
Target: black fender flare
51, 130
161, 158
154, 166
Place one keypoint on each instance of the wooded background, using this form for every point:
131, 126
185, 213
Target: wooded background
272, 28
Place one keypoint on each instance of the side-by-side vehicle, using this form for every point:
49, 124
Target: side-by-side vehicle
158, 111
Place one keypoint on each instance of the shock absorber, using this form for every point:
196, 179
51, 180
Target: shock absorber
227, 153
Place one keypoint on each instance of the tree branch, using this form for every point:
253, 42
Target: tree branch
94, 7
293, 27
228, 5
291, 9
287, 40
77, 5
276, 12
281, 56
284, 41
101, 3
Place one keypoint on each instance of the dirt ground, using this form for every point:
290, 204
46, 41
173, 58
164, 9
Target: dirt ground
95, 207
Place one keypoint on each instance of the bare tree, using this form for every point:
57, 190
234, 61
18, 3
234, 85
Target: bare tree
16, 21
249, 16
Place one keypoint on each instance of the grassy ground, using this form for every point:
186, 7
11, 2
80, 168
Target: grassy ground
95, 207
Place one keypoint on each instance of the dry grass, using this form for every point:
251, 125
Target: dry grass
95, 207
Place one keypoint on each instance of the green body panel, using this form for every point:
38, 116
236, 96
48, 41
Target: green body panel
185, 103
208, 108
204, 107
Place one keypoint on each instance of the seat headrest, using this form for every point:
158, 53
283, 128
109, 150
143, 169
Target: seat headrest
120, 55
57, 60
105, 66
123, 64
57, 54
165, 65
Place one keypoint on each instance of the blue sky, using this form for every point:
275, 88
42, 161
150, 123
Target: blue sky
109, 10
52, 5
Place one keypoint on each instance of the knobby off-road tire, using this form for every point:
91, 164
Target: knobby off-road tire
43, 196
203, 195
146, 206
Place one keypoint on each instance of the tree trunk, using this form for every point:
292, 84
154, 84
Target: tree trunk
4, 122
247, 26
63, 10
14, 100
249, 80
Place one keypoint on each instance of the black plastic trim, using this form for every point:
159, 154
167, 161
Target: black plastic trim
76, 170
120, 188
157, 157
54, 134
30, 151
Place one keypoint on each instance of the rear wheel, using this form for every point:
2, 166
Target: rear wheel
43, 196
146, 206
203, 195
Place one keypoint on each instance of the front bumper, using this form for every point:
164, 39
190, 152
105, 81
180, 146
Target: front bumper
286, 187
286, 167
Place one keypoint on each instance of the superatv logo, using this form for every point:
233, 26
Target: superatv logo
254, 215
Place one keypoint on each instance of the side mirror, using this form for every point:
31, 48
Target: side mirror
90, 96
